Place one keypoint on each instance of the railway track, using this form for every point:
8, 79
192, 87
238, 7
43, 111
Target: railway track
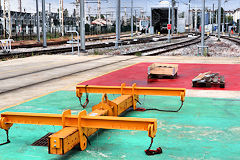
166, 48
15, 81
19, 81
64, 41
5, 77
232, 39
91, 46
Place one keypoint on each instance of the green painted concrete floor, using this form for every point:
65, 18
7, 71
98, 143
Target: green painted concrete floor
205, 128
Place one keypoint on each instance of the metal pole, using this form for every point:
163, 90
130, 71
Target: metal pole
82, 30
151, 18
9, 21
219, 18
189, 2
223, 25
169, 17
44, 24
61, 17
173, 16
117, 23
37, 14
63, 27
212, 17
216, 16
5, 18
136, 20
131, 18
106, 23
203, 27
195, 23
239, 25
227, 25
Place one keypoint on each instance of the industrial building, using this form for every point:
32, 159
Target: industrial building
160, 18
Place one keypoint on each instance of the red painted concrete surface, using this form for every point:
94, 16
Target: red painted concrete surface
138, 74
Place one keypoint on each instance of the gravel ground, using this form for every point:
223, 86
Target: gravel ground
225, 48
18, 50
129, 48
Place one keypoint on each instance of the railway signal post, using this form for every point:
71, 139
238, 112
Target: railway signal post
169, 22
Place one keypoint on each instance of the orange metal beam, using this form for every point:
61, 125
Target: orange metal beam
105, 122
123, 90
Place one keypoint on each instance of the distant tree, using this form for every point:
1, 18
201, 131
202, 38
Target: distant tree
102, 16
216, 13
74, 12
229, 19
181, 15
65, 13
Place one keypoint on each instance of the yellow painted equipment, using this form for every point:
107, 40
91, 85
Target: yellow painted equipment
76, 128
131, 90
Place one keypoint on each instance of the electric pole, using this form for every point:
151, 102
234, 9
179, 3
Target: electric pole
132, 18
203, 27
37, 17
169, 18
61, 17
82, 27
99, 9
173, 16
212, 17
118, 7
20, 6
189, 3
219, 18
44, 24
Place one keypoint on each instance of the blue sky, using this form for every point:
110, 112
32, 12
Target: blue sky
29, 5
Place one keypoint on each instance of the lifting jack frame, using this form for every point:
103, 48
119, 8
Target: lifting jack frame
77, 128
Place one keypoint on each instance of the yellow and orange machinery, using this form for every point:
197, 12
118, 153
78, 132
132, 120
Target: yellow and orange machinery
77, 128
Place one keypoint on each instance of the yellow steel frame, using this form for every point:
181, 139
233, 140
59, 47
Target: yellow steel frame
76, 128
81, 122
133, 90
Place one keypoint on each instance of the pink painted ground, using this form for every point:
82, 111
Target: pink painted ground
138, 74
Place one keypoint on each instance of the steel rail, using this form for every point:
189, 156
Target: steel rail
167, 47
91, 46
232, 39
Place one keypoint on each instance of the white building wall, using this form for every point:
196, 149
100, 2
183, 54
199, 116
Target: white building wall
236, 15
